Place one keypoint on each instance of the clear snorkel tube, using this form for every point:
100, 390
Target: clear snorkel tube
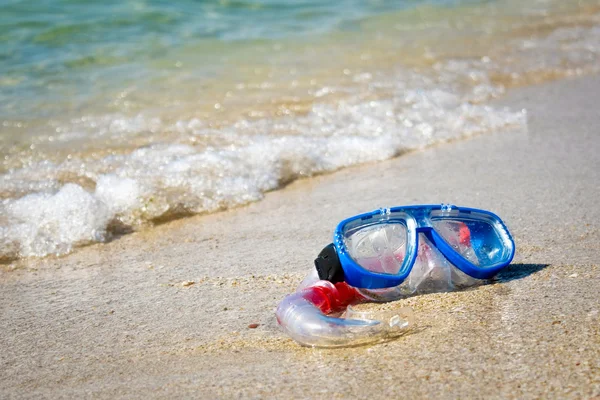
320, 314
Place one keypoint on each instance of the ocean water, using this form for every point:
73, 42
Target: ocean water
115, 116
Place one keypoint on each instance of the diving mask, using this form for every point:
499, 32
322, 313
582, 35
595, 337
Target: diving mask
381, 249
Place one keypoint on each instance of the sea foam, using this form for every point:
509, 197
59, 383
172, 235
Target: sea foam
190, 166
81, 176
162, 181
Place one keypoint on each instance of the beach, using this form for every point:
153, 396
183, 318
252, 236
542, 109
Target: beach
166, 312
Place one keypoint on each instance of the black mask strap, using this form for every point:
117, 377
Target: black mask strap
328, 265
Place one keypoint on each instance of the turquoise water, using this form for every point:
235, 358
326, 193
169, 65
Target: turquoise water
50, 49
115, 116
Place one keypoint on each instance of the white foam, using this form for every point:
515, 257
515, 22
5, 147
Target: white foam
121, 196
237, 164
43, 223
167, 180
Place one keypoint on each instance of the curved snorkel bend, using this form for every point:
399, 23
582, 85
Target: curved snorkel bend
302, 316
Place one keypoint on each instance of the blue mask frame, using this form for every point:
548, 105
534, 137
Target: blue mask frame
418, 219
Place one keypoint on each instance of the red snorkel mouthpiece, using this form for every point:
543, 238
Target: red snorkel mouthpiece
332, 298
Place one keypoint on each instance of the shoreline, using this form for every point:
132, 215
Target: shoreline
228, 128
115, 320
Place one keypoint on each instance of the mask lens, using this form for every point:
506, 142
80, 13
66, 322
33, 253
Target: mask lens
477, 241
378, 248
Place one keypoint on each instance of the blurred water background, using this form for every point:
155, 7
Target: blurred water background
117, 115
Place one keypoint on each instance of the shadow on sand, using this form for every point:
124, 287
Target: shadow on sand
518, 271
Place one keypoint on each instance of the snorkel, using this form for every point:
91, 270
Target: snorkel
320, 313
307, 316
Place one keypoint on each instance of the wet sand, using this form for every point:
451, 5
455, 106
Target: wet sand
119, 320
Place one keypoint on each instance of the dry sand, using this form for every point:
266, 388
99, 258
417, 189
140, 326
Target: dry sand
166, 312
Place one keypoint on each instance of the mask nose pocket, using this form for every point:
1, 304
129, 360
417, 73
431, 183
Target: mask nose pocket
431, 272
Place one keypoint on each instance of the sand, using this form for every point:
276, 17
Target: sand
172, 311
